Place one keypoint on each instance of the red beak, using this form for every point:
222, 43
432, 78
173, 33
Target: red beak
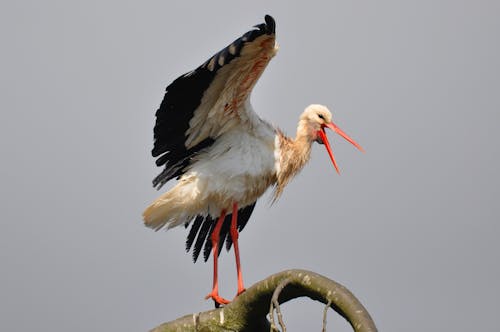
324, 138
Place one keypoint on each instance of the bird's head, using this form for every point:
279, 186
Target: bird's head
314, 120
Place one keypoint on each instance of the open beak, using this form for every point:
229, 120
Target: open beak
324, 139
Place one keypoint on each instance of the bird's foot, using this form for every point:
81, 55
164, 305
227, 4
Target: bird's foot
217, 299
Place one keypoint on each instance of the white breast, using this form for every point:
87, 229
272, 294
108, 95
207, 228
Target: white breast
239, 167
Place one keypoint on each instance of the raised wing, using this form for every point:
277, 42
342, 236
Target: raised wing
203, 104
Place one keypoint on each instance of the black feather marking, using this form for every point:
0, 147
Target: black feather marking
207, 244
207, 249
199, 236
182, 98
270, 24
206, 229
243, 217
177, 169
224, 232
193, 232
208, 239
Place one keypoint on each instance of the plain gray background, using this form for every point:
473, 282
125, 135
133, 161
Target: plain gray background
411, 226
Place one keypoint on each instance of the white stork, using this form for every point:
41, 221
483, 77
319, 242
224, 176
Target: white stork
222, 153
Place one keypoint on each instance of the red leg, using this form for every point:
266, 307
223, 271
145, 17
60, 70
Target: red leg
214, 294
234, 238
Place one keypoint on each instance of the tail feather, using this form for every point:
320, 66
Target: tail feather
175, 207
166, 211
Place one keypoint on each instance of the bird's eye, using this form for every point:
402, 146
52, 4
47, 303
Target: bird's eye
321, 116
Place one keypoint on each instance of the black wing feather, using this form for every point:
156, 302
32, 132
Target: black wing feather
207, 248
182, 98
206, 228
193, 232
243, 217
205, 225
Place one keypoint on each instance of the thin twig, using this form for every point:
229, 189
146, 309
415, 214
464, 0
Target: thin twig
271, 318
276, 306
325, 311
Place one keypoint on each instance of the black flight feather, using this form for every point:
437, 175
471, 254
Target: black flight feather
193, 232
182, 99
206, 229
201, 231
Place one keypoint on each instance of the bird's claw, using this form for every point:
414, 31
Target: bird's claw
217, 299
240, 291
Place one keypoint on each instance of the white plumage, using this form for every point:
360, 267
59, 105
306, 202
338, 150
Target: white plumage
238, 167
222, 153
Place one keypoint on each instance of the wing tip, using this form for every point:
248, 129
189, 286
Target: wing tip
270, 24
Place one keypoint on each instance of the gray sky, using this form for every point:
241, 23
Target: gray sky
411, 226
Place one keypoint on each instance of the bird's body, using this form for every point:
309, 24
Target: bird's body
222, 153
238, 167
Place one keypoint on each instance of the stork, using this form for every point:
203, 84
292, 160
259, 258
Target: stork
224, 156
